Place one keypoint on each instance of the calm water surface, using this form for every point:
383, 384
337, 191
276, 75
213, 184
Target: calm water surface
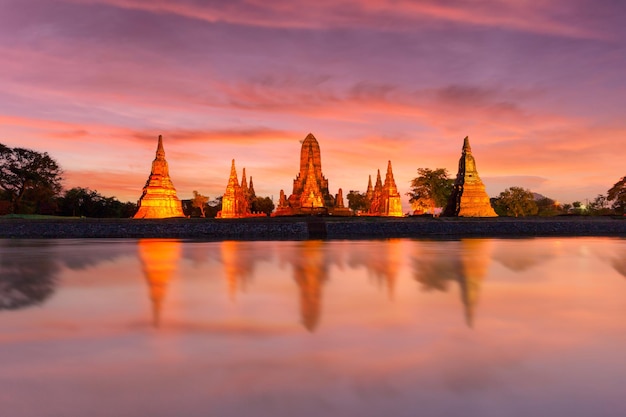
477, 327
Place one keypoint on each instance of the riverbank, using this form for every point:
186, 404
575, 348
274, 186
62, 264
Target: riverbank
302, 228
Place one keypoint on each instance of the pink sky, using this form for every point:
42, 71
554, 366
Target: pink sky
538, 86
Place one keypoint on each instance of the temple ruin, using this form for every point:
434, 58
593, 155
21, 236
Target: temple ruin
159, 199
384, 199
468, 198
237, 199
310, 188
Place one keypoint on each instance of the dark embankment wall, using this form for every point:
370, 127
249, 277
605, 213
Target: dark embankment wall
311, 228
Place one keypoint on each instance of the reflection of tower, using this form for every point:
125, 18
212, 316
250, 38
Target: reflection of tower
310, 273
238, 265
467, 263
158, 259
475, 259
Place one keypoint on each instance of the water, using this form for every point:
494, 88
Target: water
477, 327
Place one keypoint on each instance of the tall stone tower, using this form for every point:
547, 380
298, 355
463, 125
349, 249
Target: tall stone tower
468, 198
234, 201
384, 198
310, 187
392, 205
159, 198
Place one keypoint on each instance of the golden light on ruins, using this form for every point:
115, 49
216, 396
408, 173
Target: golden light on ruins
237, 199
159, 199
469, 198
310, 193
384, 199
159, 259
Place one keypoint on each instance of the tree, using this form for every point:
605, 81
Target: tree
357, 201
83, 202
617, 194
262, 205
199, 201
599, 206
28, 178
430, 189
516, 201
547, 207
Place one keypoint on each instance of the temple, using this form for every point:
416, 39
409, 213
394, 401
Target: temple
384, 199
468, 198
237, 199
159, 199
310, 188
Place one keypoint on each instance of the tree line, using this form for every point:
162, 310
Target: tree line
431, 189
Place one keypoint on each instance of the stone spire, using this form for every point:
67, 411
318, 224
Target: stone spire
234, 203
376, 203
310, 187
392, 203
158, 199
244, 181
468, 198
311, 196
369, 194
251, 188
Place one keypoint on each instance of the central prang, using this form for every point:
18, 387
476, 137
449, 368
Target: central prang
310, 188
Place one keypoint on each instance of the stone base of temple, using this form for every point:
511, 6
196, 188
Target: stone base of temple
159, 209
341, 212
245, 216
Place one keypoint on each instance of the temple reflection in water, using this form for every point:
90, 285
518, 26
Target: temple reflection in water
310, 264
159, 260
467, 264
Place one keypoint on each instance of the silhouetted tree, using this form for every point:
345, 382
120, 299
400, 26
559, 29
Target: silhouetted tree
547, 207
515, 201
430, 189
28, 178
357, 201
262, 205
617, 195
599, 206
199, 201
83, 202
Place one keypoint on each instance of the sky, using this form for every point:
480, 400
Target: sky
539, 86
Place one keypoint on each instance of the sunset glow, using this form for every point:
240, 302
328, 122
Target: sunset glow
537, 86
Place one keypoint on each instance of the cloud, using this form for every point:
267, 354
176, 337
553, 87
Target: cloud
381, 15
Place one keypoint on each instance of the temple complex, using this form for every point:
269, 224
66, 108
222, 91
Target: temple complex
159, 199
468, 198
237, 199
384, 198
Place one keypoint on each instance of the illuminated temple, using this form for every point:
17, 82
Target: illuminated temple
159, 199
237, 199
310, 188
384, 199
468, 198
